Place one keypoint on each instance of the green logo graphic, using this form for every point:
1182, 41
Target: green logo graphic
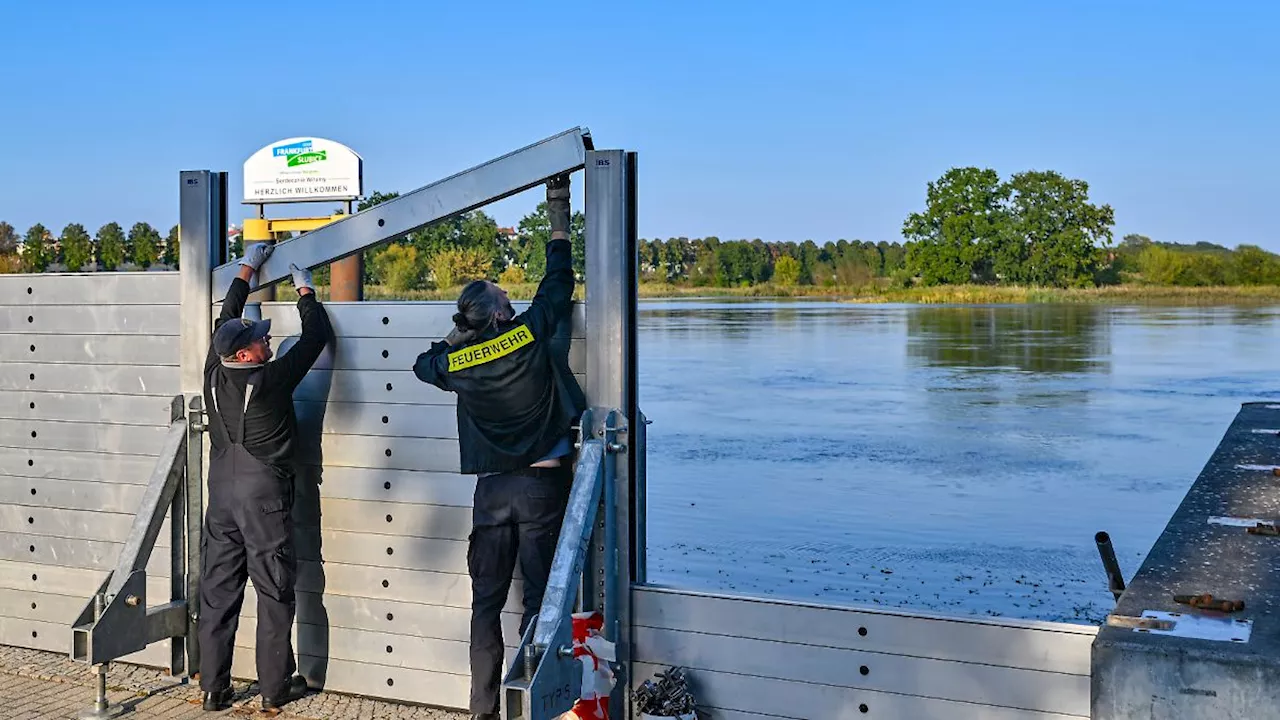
306, 158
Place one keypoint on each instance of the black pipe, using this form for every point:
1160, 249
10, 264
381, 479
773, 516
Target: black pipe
1115, 579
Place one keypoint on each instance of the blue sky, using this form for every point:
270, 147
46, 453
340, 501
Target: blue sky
783, 121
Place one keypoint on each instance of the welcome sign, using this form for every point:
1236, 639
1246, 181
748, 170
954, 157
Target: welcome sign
303, 169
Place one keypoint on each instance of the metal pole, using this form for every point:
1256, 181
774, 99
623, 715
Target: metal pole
204, 238
611, 368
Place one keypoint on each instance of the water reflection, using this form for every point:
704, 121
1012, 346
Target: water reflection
1043, 339
954, 459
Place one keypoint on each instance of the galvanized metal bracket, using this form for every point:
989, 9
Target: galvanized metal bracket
544, 679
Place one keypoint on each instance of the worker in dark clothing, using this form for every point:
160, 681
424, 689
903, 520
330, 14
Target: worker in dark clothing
517, 402
248, 529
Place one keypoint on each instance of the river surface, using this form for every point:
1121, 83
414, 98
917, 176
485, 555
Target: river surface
950, 459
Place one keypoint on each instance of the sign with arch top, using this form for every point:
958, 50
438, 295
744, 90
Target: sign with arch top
303, 169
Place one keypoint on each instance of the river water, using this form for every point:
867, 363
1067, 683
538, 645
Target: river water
952, 459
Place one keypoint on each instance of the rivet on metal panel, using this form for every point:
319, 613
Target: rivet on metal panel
31, 318
35, 634
390, 551
34, 577
28, 291
33, 406
386, 583
33, 376
33, 606
33, 491
33, 348
385, 320
864, 670
30, 463
33, 433
388, 451
386, 485
388, 649
390, 682
862, 631
32, 548
382, 222
388, 387
390, 616
863, 708
385, 354
31, 520
388, 518
385, 419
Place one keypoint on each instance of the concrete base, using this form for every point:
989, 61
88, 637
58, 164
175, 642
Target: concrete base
1163, 674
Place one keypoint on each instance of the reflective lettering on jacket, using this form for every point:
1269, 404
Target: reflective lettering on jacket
490, 350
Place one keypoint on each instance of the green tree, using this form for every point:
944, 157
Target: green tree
110, 246
77, 247
963, 234
786, 271
455, 266
172, 247
1255, 266
1063, 233
8, 239
37, 249
533, 233
400, 268
145, 242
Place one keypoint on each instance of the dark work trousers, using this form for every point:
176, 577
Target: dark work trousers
248, 532
516, 518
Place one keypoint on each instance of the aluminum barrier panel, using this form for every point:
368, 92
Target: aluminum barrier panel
381, 511
88, 368
757, 659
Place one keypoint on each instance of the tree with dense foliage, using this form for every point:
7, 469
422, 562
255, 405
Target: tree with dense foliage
172, 248
110, 242
145, 243
8, 239
77, 247
37, 249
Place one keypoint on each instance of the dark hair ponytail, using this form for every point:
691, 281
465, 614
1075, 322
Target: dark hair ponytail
476, 307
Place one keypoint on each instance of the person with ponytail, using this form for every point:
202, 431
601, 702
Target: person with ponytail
517, 403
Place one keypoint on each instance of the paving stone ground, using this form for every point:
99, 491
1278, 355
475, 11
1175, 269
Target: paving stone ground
36, 685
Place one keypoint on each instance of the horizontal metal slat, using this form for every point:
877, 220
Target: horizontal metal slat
31, 577
718, 691
1052, 647
375, 386
420, 586
114, 288
348, 353
901, 675
89, 349
425, 322
84, 378
398, 486
83, 524
384, 551
396, 453
130, 410
377, 419
71, 494
77, 553
62, 609
145, 320
64, 465
425, 521
386, 616
377, 681
82, 437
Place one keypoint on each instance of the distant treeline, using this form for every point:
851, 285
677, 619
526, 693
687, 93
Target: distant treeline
1036, 229
74, 249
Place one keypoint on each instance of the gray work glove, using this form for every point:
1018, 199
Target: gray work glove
558, 206
256, 254
301, 278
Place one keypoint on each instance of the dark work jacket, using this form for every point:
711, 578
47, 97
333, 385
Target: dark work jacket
516, 394
270, 426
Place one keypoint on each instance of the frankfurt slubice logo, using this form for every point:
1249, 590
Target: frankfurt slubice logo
299, 153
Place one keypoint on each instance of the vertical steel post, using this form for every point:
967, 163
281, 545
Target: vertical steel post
610, 204
203, 223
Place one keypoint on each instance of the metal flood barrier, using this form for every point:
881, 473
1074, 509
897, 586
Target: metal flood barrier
102, 461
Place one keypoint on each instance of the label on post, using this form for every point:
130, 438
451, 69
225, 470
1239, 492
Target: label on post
303, 169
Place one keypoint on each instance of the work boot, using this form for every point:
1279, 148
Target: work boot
558, 206
216, 700
296, 689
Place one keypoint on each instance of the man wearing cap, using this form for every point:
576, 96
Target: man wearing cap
248, 531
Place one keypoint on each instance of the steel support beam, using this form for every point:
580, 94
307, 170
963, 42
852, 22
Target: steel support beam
470, 189
612, 284
203, 225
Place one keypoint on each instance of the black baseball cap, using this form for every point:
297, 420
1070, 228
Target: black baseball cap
236, 334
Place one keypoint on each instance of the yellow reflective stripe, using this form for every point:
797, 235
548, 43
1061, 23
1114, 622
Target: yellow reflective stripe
504, 344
